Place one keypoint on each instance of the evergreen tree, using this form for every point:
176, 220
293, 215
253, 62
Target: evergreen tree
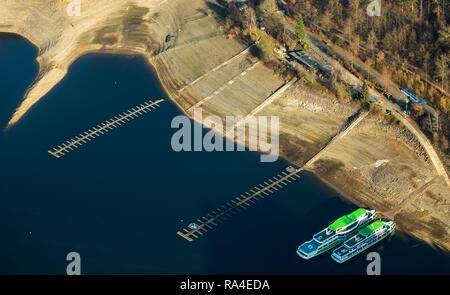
365, 95
300, 30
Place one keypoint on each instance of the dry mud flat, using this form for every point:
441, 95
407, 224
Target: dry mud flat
378, 164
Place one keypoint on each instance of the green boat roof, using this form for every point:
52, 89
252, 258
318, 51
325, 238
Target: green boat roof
346, 219
365, 231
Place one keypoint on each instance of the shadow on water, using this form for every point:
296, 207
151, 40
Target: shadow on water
120, 199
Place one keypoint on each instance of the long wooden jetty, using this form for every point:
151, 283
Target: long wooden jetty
103, 128
198, 228
217, 216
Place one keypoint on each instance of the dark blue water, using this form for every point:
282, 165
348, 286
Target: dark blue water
120, 199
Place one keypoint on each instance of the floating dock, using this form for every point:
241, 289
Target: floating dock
219, 215
103, 128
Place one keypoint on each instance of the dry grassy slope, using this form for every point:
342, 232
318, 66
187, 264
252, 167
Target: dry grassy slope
308, 119
373, 166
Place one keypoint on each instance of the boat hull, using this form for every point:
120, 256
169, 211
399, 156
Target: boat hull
344, 258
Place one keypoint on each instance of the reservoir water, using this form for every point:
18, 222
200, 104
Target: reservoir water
120, 199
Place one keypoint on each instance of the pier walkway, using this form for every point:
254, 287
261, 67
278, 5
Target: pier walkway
103, 128
217, 216
198, 228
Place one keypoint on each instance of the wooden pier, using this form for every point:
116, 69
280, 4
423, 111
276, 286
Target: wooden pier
104, 127
198, 228
219, 215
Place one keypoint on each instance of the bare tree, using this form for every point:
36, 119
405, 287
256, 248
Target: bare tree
372, 41
442, 69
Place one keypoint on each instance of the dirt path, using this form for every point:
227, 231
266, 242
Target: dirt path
236, 57
255, 111
353, 80
411, 197
409, 68
370, 73
426, 144
341, 133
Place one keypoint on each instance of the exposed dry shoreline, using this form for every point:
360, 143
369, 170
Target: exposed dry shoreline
309, 115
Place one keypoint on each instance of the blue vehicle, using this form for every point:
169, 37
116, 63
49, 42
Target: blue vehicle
412, 98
